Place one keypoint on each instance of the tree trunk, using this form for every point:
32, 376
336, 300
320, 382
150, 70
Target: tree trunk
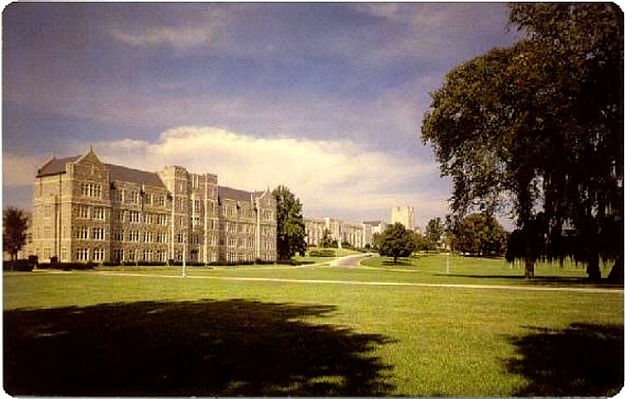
529, 268
594, 273
394, 259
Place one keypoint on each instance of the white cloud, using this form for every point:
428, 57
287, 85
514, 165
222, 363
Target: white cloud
338, 176
163, 35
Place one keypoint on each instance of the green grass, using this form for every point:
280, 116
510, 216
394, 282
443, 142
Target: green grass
89, 333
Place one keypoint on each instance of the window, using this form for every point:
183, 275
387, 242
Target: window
97, 234
64, 254
82, 233
91, 190
132, 197
161, 238
98, 212
147, 256
149, 198
148, 236
82, 254
98, 254
133, 236
118, 235
134, 216
83, 211
232, 241
148, 218
160, 200
196, 206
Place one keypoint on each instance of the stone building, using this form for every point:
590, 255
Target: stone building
403, 215
341, 231
86, 210
372, 227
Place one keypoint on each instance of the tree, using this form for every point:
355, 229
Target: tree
434, 231
326, 240
422, 243
480, 234
540, 124
14, 232
396, 242
290, 229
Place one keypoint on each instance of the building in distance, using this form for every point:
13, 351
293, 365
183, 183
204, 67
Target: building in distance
403, 215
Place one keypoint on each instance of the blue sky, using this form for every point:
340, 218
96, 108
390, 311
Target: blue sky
326, 98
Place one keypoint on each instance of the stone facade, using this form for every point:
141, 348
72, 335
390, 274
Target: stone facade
341, 231
85, 210
403, 215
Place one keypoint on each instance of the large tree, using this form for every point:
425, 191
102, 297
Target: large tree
395, 241
480, 234
291, 231
14, 232
530, 125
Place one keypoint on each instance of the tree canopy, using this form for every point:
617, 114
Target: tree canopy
15, 223
479, 234
434, 231
395, 241
536, 129
291, 231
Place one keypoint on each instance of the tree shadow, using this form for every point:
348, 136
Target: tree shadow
538, 280
202, 348
581, 360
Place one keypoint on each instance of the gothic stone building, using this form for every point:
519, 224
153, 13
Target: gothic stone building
85, 210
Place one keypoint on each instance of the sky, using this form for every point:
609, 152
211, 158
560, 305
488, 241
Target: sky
325, 98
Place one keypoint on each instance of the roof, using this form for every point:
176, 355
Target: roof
116, 172
55, 166
372, 222
122, 173
234, 194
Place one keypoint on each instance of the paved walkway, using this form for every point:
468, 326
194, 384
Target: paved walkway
346, 282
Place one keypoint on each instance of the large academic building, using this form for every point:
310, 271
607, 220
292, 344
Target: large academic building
85, 210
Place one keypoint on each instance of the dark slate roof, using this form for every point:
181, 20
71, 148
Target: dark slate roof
372, 222
233, 193
122, 173
55, 166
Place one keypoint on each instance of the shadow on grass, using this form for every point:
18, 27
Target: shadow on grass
203, 348
400, 262
538, 280
581, 360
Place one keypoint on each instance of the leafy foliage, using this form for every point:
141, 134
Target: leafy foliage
396, 242
434, 231
291, 231
539, 124
480, 234
326, 240
14, 232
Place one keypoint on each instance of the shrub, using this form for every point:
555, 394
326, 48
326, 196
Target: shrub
20, 265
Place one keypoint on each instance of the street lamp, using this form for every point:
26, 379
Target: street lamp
184, 255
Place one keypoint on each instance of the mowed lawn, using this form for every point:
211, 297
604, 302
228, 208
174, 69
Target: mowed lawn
232, 331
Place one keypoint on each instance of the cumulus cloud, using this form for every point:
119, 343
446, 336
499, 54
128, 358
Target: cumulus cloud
328, 176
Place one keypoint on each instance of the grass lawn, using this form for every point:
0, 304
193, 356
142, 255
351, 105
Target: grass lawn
152, 334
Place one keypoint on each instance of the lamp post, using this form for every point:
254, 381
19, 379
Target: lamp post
184, 255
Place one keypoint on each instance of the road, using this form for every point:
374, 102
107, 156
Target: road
352, 260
